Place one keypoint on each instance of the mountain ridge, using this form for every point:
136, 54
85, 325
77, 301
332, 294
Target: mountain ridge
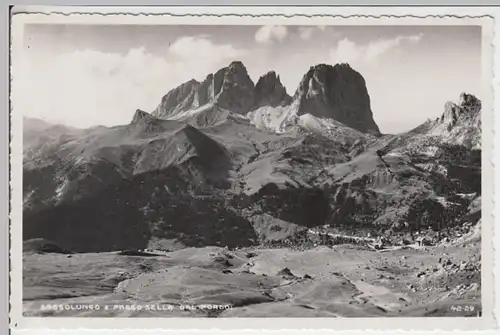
317, 154
325, 92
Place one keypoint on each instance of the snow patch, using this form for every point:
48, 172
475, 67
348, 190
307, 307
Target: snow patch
285, 118
313, 123
278, 119
190, 113
394, 154
61, 188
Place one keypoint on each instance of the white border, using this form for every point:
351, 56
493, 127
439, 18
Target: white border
262, 16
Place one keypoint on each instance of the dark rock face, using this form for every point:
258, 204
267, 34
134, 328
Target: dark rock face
338, 92
470, 102
269, 91
128, 214
305, 207
236, 93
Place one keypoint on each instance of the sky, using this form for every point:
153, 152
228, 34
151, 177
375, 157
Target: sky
85, 75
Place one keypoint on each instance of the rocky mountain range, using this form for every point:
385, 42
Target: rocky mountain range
227, 162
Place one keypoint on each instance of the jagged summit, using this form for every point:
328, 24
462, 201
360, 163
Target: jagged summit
177, 100
230, 88
237, 66
236, 89
469, 100
269, 91
336, 92
324, 68
460, 123
140, 115
470, 104
468, 108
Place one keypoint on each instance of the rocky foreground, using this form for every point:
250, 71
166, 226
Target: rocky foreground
339, 281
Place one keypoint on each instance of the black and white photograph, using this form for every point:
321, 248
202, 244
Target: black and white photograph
254, 170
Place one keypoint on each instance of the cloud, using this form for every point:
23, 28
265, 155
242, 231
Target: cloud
306, 33
84, 88
377, 48
346, 52
350, 52
268, 34
415, 38
189, 48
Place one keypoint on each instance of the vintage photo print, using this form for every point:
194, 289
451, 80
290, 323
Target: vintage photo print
232, 164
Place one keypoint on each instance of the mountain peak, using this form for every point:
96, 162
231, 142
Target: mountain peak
230, 88
343, 66
336, 92
460, 123
140, 115
236, 71
468, 107
470, 103
233, 88
325, 68
271, 74
177, 100
269, 91
237, 65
